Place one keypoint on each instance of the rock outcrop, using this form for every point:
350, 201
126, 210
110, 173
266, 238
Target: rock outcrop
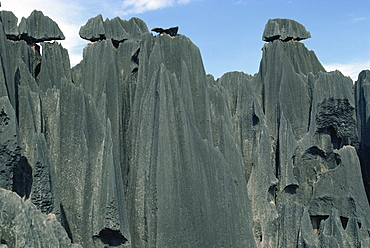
285, 30
10, 22
137, 147
38, 28
116, 30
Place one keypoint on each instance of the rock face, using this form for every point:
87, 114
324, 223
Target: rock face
285, 30
10, 22
117, 30
137, 147
38, 28
23, 225
362, 93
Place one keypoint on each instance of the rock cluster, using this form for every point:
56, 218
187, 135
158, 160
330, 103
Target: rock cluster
35, 28
117, 30
137, 147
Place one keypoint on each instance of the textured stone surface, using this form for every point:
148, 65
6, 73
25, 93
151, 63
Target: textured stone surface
23, 225
93, 30
10, 22
9, 146
137, 147
116, 30
37, 28
285, 30
362, 93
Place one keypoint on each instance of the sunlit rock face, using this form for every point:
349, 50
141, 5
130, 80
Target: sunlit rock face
137, 147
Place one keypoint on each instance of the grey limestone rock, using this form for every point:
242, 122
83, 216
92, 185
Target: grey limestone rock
23, 225
93, 30
37, 28
137, 147
116, 30
285, 30
10, 22
362, 93
9, 145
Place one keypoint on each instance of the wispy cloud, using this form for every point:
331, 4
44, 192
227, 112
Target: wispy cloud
351, 69
141, 6
360, 19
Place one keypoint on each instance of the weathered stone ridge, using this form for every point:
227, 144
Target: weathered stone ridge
137, 147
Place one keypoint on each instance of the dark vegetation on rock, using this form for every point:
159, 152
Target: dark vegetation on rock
137, 147
170, 31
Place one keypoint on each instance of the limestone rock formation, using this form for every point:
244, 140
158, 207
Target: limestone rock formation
10, 22
362, 93
23, 225
284, 29
38, 28
137, 147
93, 30
116, 30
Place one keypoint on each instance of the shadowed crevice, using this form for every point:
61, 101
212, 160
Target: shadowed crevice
111, 237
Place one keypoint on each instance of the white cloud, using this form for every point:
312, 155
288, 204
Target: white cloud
140, 6
360, 19
351, 69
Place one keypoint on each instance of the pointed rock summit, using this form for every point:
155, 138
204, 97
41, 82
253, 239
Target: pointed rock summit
285, 30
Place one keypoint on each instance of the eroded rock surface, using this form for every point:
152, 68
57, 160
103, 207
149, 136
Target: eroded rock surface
23, 225
285, 30
116, 30
38, 28
137, 147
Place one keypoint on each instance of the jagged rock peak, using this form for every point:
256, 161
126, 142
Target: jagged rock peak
117, 30
285, 30
10, 22
93, 30
170, 31
38, 28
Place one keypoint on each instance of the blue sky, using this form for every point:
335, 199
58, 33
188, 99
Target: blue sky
228, 32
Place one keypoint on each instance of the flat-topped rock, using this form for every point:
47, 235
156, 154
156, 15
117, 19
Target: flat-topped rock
10, 23
38, 28
285, 30
117, 30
